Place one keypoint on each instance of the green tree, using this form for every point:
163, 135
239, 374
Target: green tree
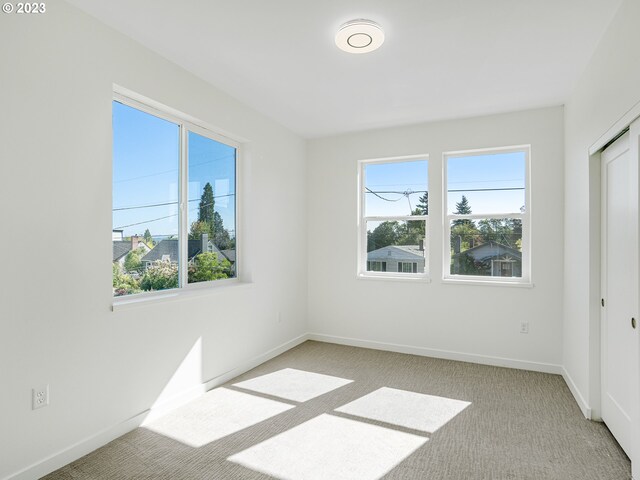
148, 239
160, 276
210, 221
410, 233
221, 237
465, 233
505, 231
206, 207
415, 230
464, 264
133, 260
383, 235
207, 266
198, 228
123, 284
462, 208
423, 205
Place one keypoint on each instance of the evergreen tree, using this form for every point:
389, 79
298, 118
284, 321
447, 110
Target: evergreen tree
221, 237
148, 239
207, 204
423, 204
210, 221
462, 208
198, 228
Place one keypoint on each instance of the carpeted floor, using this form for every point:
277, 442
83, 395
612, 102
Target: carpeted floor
507, 424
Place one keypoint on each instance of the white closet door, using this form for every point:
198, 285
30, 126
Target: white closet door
620, 290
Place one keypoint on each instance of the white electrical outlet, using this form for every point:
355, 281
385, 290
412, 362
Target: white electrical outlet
40, 397
524, 327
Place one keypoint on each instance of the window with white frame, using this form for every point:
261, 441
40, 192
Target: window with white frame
487, 215
394, 208
174, 201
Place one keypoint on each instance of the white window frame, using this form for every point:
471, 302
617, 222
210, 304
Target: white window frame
525, 217
186, 124
363, 219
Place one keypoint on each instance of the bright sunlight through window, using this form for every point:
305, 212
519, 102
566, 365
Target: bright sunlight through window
330, 447
292, 384
426, 413
215, 415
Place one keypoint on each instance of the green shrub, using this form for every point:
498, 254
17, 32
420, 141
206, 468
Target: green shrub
206, 266
161, 275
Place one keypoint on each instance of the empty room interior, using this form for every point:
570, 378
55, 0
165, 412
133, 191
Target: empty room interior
351, 240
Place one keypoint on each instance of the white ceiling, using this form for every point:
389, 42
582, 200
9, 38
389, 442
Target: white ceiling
441, 58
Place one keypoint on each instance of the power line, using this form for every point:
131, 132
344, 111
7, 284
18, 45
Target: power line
381, 197
146, 221
490, 181
159, 218
486, 189
225, 157
133, 207
397, 184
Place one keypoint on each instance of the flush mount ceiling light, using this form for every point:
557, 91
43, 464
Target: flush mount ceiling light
359, 36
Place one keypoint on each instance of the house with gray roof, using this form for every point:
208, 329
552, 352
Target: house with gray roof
490, 259
397, 258
122, 247
168, 250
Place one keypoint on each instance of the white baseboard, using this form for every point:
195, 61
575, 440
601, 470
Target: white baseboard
445, 354
77, 450
93, 442
254, 362
584, 406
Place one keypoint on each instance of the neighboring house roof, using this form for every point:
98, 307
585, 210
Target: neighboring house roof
409, 253
230, 254
170, 247
491, 250
122, 247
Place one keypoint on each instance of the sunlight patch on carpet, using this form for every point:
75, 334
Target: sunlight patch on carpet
292, 384
418, 411
329, 447
214, 415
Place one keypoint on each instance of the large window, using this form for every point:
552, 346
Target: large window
394, 208
487, 215
174, 201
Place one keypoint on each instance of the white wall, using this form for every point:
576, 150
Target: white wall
608, 88
436, 318
56, 327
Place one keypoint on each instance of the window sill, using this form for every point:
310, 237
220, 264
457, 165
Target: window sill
395, 278
488, 283
195, 291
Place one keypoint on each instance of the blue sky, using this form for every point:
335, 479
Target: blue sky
146, 152
383, 178
491, 173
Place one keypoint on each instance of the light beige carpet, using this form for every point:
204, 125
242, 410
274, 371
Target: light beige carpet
492, 423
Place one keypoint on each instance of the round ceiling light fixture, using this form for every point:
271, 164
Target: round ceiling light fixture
359, 36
